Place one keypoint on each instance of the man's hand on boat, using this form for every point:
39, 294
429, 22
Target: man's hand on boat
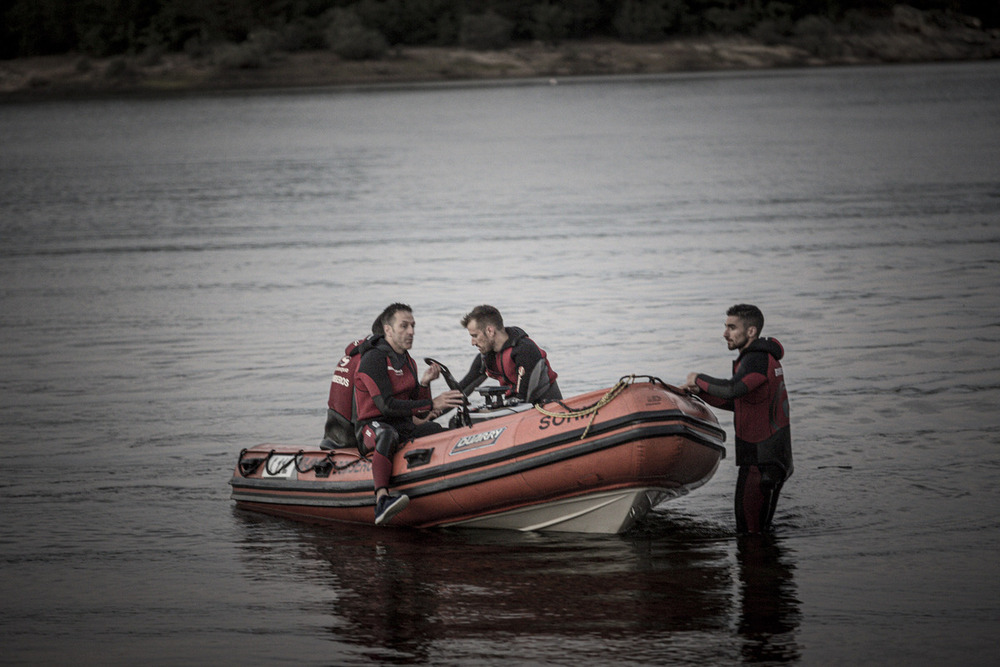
442, 404
447, 400
690, 385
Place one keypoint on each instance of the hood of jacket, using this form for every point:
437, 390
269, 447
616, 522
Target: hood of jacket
769, 346
514, 335
362, 345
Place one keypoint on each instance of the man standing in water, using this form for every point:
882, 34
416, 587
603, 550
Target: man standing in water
392, 405
756, 395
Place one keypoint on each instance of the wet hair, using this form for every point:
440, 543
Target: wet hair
388, 314
749, 315
484, 316
377, 326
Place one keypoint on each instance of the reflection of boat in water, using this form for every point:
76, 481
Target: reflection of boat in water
494, 597
596, 462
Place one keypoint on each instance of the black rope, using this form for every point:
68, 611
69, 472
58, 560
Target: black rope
320, 465
669, 387
248, 467
267, 465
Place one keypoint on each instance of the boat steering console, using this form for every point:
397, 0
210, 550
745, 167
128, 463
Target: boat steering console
462, 417
494, 396
497, 402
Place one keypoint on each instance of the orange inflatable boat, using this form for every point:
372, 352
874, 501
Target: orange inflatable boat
594, 463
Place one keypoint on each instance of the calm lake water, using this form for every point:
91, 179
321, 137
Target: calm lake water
179, 277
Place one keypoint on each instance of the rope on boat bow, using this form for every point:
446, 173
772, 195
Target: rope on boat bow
248, 465
591, 410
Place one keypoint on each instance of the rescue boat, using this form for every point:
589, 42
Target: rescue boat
593, 463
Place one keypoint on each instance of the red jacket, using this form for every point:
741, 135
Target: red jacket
512, 366
388, 388
341, 398
756, 394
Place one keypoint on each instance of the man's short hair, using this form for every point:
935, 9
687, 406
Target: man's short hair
749, 315
390, 312
484, 316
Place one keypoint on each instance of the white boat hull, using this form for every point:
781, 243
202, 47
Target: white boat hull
603, 512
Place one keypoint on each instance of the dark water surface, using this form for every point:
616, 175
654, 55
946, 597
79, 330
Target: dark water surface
179, 276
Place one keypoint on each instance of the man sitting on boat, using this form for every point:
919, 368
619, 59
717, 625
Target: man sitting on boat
507, 355
341, 414
392, 405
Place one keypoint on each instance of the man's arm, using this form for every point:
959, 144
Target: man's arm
475, 377
698, 384
750, 374
373, 375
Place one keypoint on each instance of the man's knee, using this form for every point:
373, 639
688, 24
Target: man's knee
380, 438
771, 476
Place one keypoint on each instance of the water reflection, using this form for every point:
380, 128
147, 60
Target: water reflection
769, 608
409, 590
658, 590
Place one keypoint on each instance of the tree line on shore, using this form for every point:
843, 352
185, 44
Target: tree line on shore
361, 29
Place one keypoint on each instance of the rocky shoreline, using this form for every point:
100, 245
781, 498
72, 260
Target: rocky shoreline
910, 40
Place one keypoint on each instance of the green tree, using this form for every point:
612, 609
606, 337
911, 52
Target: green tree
350, 39
647, 20
550, 23
485, 31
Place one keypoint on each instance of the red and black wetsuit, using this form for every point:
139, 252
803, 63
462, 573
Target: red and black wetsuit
388, 394
388, 388
341, 412
756, 394
520, 365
